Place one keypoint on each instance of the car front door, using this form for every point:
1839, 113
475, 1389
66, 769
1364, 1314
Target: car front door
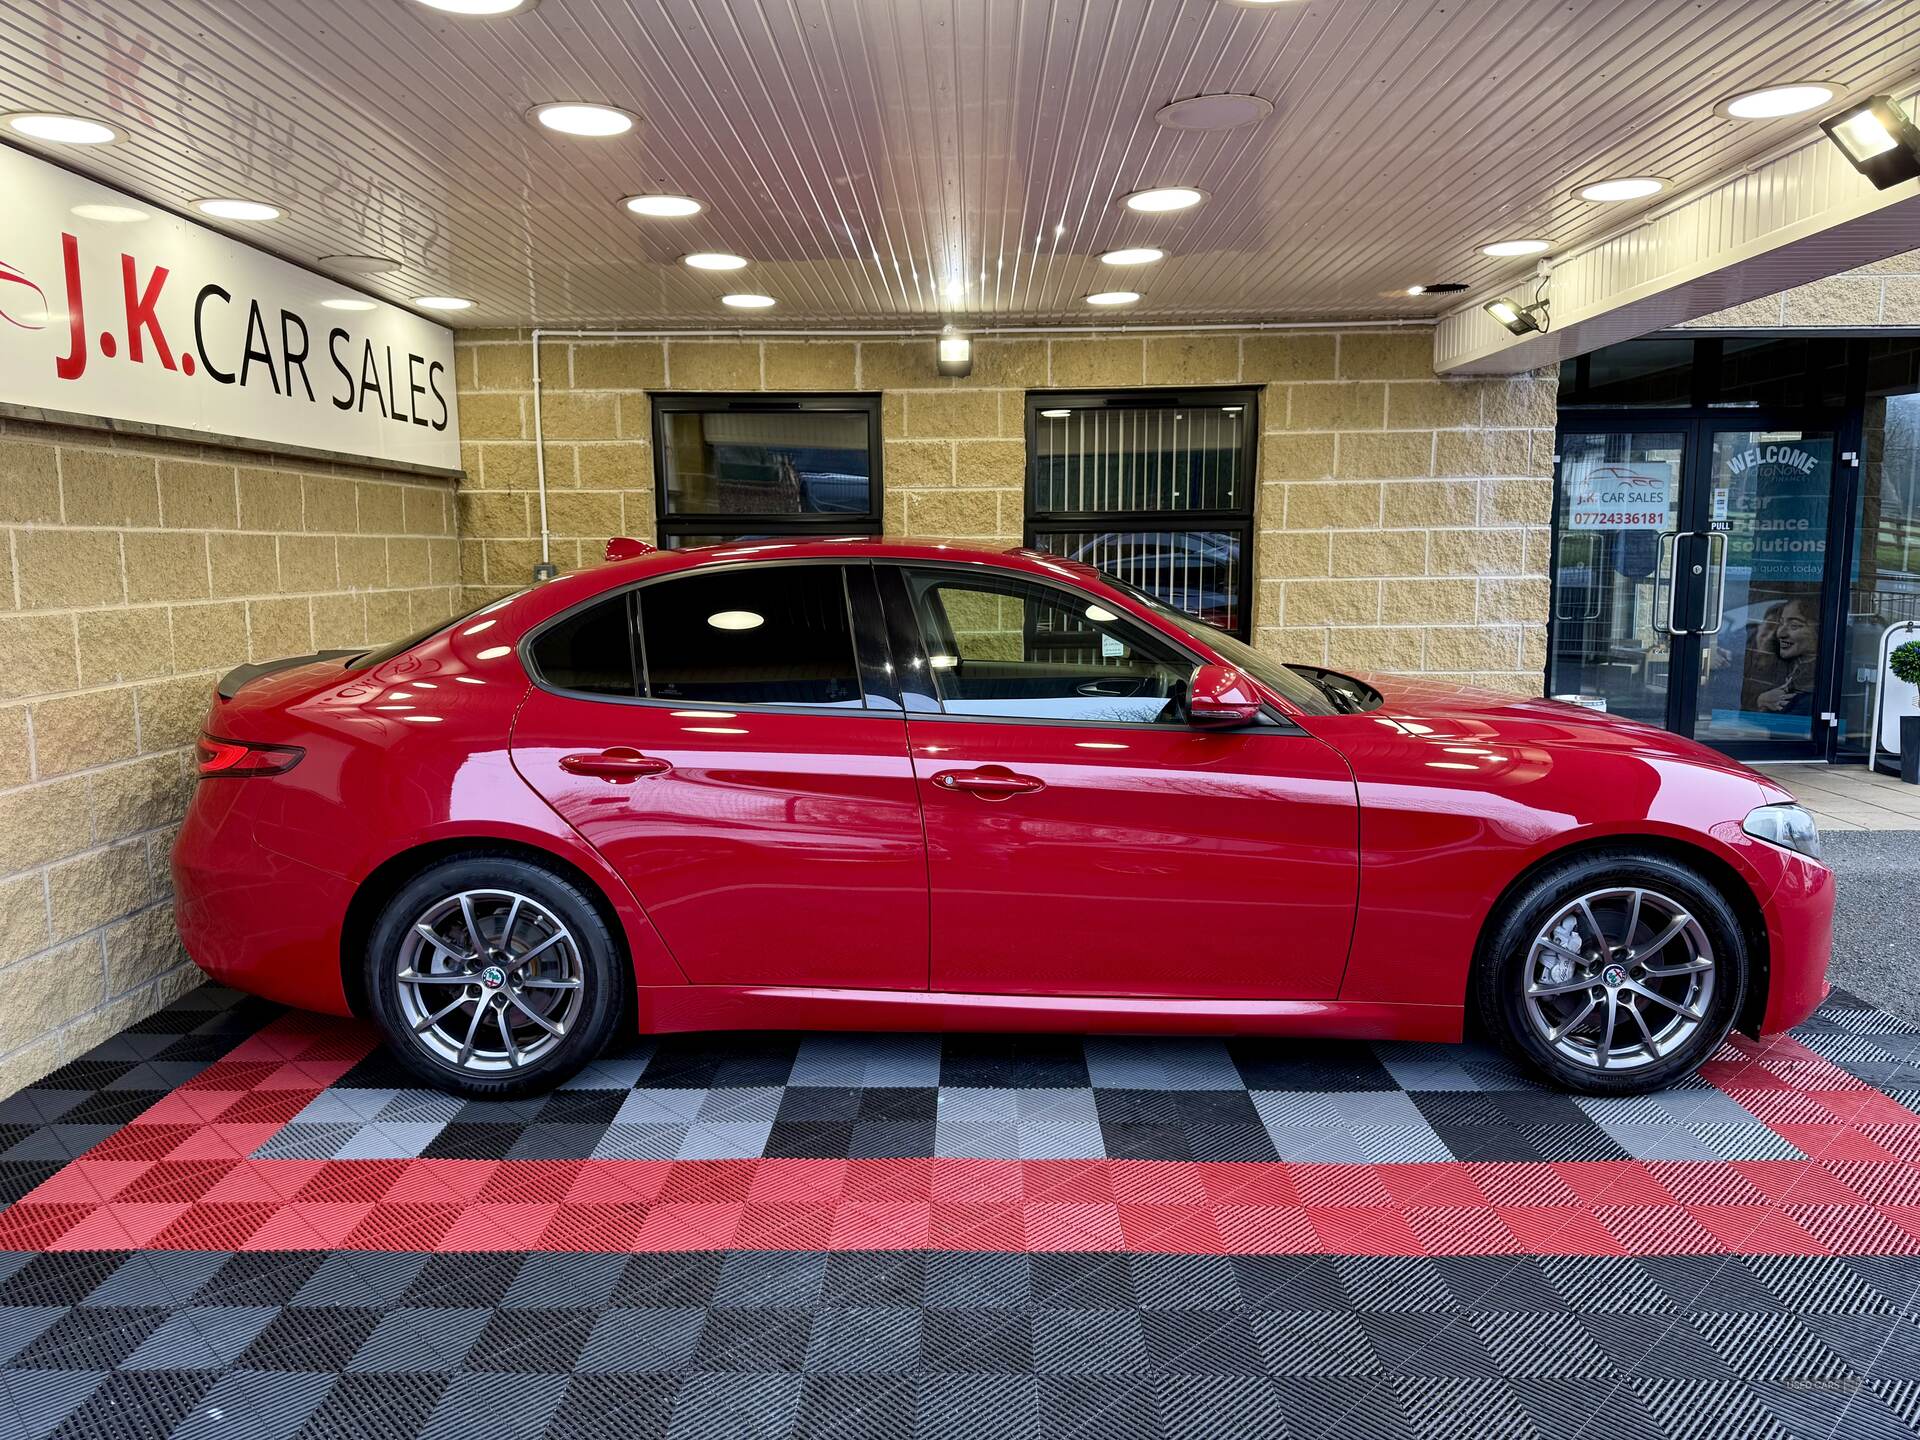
728, 740
1082, 839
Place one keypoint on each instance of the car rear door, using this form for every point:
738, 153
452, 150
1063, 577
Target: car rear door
1081, 838
728, 739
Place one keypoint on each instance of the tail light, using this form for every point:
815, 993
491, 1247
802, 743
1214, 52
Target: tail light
239, 758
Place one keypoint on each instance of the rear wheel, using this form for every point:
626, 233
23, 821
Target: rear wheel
1613, 973
493, 976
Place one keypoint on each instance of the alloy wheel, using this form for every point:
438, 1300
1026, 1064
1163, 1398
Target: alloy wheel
1619, 978
490, 980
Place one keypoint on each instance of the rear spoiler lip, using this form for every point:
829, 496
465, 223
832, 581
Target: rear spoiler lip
241, 676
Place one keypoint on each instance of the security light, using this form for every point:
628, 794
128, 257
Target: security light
1878, 139
956, 353
1519, 319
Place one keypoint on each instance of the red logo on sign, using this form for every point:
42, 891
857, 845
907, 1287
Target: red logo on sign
13, 295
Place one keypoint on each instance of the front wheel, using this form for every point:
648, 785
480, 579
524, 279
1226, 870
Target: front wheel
493, 976
1614, 973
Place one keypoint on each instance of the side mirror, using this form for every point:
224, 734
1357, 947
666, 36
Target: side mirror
1220, 695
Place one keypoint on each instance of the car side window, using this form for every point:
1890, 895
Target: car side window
771, 635
592, 650
1011, 649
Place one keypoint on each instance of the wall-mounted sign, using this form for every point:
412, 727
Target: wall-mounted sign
1619, 495
1786, 487
110, 307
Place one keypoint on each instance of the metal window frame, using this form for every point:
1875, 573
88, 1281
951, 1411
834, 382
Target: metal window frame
1237, 521
683, 523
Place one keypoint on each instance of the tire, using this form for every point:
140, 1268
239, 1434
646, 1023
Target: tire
1529, 988
537, 998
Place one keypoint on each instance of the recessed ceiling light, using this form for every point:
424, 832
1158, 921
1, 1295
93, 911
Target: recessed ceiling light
1055, 414
479, 8
362, 264
714, 260
1138, 255
574, 117
230, 209
1516, 247
57, 129
736, 620
747, 302
1213, 112
346, 304
663, 207
1164, 198
111, 214
1113, 297
1436, 287
1629, 187
1775, 101
442, 302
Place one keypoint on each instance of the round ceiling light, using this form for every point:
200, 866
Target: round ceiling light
362, 264
1113, 297
232, 209
1503, 248
714, 260
111, 214
736, 620
663, 207
1214, 112
56, 129
1164, 198
1628, 187
1436, 287
578, 118
1776, 101
479, 8
442, 302
1137, 255
747, 302
344, 303
1055, 414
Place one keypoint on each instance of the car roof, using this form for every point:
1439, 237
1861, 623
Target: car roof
577, 585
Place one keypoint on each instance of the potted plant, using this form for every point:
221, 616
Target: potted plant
1905, 664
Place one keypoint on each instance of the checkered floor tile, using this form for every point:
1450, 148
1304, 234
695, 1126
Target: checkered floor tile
231, 1221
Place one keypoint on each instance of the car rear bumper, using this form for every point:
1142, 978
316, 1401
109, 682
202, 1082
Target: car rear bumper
250, 917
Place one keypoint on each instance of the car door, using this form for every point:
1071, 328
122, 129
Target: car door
1081, 838
727, 738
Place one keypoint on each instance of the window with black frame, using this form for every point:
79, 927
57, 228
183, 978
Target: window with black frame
731, 467
1153, 488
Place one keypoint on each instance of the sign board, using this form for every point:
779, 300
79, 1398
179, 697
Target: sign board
110, 307
1619, 495
1786, 486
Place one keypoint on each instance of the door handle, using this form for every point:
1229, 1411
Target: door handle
620, 764
989, 782
1666, 565
1719, 587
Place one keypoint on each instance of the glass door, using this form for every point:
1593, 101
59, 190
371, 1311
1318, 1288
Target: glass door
1752, 581
1618, 519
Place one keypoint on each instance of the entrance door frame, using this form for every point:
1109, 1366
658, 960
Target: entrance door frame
1698, 424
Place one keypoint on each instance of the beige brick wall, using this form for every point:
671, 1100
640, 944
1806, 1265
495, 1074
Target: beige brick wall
1402, 519
131, 575
1884, 293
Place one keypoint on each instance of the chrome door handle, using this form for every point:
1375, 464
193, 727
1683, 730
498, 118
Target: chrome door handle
1720, 584
1665, 560
989, 782
621, 765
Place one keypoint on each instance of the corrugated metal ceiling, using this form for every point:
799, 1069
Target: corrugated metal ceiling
869, 154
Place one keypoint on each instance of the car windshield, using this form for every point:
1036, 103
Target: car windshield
1305, 693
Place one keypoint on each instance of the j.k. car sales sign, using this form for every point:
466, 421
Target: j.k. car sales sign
160, 321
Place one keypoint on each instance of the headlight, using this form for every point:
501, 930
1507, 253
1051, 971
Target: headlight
1787, 826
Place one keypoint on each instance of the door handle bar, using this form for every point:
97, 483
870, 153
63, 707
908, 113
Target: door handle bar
619, 765
991, 784
1666, 561
1720, 583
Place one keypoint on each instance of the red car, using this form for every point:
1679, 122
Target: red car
877, 785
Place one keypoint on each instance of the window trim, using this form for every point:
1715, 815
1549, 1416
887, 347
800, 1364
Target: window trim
862, 616
683, 523
1239, 522
905, 622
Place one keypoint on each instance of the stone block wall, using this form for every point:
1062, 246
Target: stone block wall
1884, 293
131, 575
1401, 519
